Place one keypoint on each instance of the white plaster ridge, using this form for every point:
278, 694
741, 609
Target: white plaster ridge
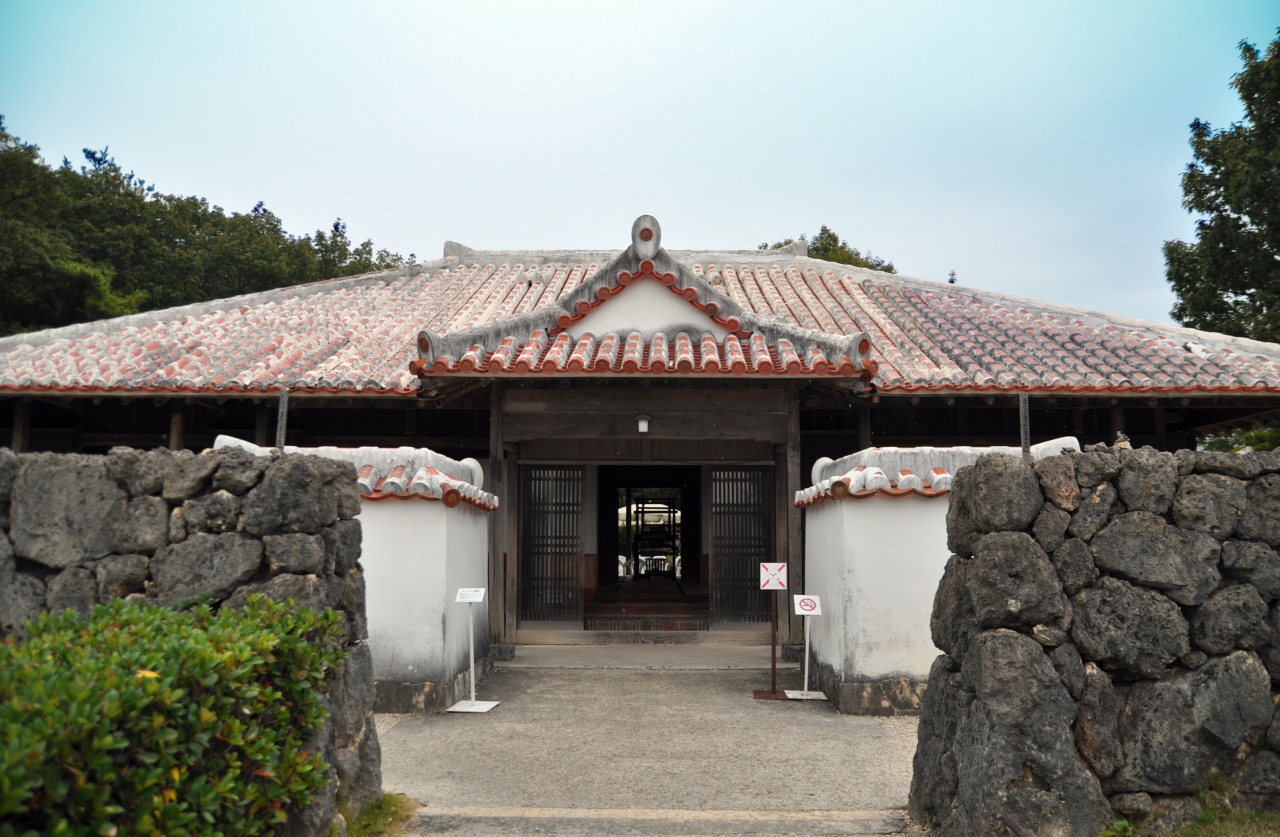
922, 460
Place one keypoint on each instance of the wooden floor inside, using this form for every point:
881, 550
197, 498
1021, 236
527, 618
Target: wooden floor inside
649, 605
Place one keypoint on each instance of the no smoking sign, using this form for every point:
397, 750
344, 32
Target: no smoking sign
808, 605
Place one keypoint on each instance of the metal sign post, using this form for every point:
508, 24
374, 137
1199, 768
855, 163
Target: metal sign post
806, 606
472, 596
773, 577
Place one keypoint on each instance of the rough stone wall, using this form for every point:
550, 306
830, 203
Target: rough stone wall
161, 527
1111, 629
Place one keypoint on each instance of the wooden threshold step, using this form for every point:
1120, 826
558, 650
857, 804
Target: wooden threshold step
651, 822
536, 636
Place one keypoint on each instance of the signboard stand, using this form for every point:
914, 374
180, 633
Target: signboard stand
773, 577
471, 596
808, 607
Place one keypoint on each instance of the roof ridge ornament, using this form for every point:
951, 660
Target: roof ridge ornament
646, 237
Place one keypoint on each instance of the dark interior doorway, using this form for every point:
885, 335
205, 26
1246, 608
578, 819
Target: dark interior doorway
649, 534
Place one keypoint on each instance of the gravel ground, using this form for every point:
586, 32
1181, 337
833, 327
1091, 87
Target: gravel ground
649, 751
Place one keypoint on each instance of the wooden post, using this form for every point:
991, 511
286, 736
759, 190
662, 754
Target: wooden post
1117, 422
782, 513
497, 519
177, 425
511, 557
795, 526
1024, 424
282, 417
261, 425
21, 426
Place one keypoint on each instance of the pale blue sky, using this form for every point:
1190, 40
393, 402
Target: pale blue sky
1034, 148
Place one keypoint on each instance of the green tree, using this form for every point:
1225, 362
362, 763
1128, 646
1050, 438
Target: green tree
828, 246
83, 244
43, 281
1229, 279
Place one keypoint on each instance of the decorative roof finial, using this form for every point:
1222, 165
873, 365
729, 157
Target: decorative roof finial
646, 236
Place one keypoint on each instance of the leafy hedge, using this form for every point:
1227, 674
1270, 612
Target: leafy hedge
145, 720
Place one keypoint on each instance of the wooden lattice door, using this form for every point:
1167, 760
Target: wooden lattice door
551, 554
741, 539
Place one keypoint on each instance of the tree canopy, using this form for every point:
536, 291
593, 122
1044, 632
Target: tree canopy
1229, 279
828, 246
79, 244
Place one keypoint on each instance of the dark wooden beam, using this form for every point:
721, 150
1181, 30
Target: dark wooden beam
347, 441
770, 427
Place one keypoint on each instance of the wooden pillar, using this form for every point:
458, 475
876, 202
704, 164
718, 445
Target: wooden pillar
497, 520
782, 532
21, 426
511, 557
1117, 422
864, 427
282, 417
261, 426
795, 529
1077, 423
1024, 424
177, 425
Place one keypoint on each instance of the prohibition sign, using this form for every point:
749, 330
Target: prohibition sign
808, 605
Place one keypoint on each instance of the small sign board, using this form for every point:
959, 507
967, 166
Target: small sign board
773, 576
470, 594
808, 605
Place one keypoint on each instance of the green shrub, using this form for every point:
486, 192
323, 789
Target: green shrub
145, 720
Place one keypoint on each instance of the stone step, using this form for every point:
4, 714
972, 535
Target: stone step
654, 822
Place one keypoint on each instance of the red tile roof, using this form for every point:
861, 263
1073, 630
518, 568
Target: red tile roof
492, 313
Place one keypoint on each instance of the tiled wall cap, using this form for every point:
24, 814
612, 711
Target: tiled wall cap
906, 479
409, 471
939, 480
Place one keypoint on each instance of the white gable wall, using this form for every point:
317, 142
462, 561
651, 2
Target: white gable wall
647, 306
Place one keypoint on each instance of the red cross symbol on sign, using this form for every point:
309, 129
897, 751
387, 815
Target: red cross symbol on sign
773, 576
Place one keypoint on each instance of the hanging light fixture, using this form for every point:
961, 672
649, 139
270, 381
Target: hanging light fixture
642, 423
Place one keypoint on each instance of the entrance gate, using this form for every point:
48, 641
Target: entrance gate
553, 553
741, 539
551, 547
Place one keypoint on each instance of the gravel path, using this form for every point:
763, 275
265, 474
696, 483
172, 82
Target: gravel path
649, 751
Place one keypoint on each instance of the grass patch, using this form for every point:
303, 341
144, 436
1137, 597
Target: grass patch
385, 818
1215, 822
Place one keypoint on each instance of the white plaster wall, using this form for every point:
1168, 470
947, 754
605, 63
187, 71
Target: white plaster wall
825, 570
466, 546
404, 575
878, 562
416, 554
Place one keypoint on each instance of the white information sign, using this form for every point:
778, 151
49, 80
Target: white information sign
773, 576
808, 605
472, 596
